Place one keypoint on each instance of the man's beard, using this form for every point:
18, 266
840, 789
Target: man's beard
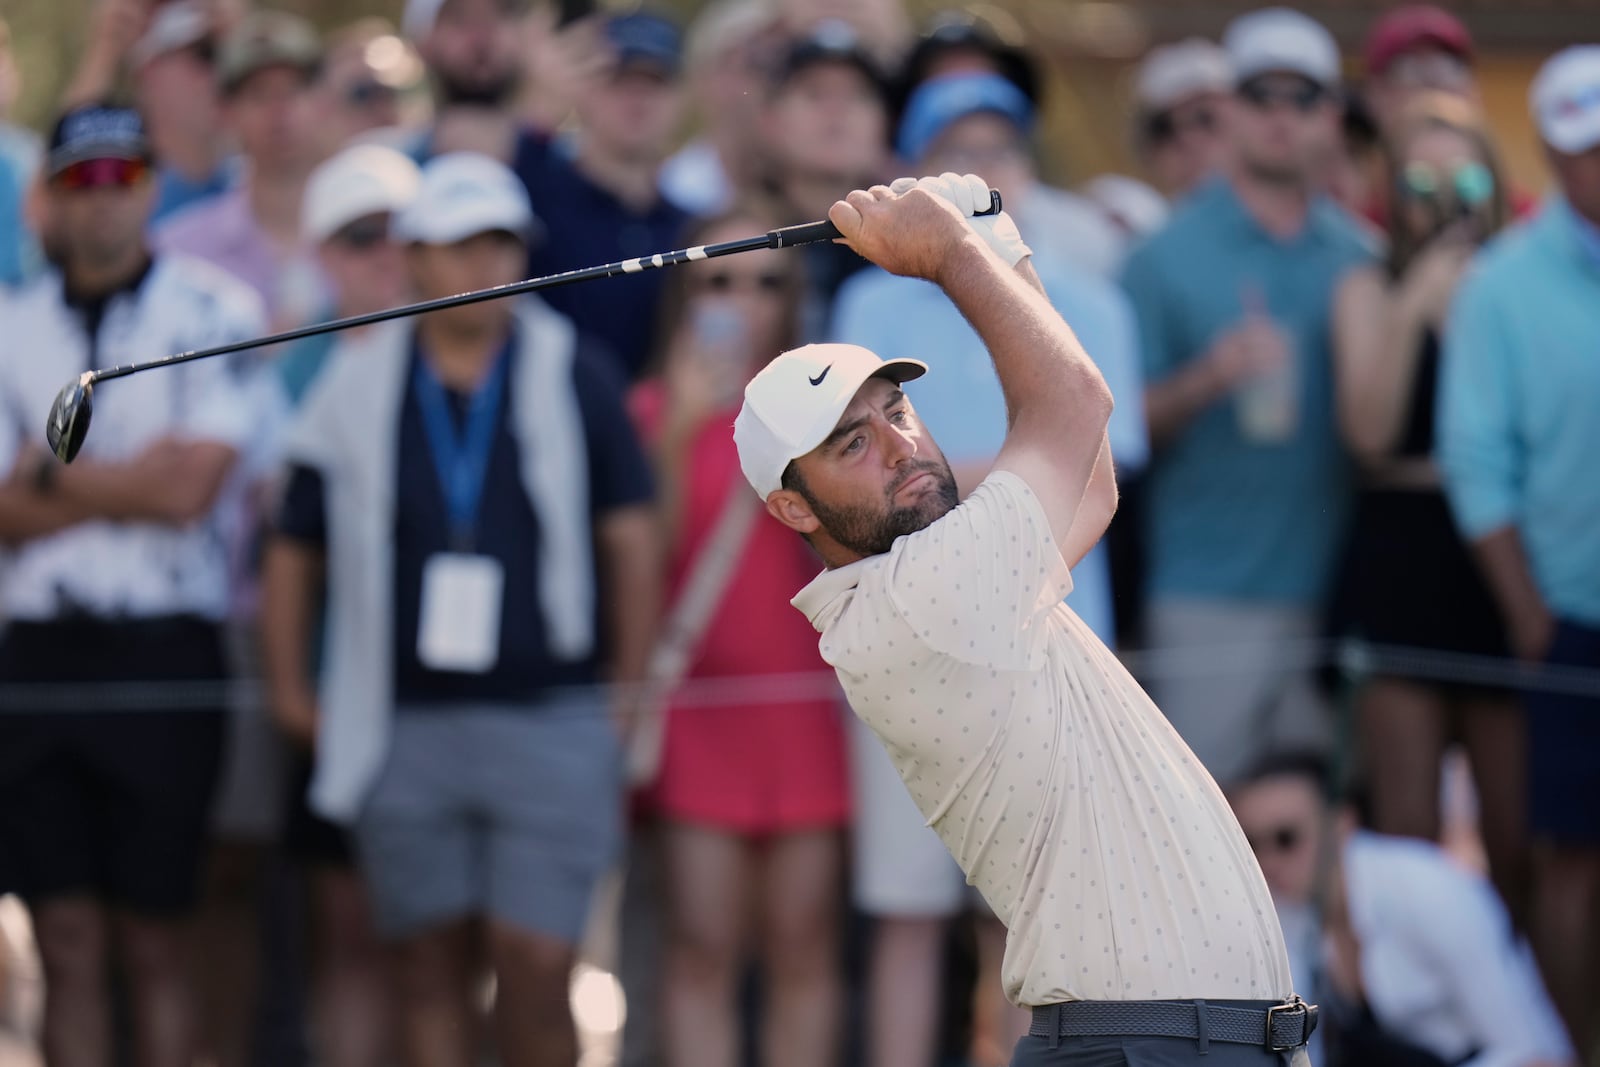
478, 89
869, 532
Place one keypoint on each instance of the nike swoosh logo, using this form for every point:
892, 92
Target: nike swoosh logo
818, 379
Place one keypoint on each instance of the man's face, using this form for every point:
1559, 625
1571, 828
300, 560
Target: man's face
272, 114
473, 52
1579, 178
478, 262
877, 477
366, 265
633, 110
1183, 143
984, 143
1426, 68
98, 209
178, 90
1283, 819
828, 120
1282, 126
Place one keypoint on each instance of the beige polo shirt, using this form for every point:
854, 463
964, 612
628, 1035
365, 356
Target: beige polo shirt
1075, 809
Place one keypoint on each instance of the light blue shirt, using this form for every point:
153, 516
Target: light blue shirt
13, 238
1519, 404
960, 400
1229, 516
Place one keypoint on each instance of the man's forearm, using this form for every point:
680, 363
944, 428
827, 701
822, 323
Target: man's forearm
1173, 402
1505, 567
631, 587
27, 514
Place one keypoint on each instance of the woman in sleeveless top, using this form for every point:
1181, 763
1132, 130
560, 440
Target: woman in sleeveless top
752, 793
1412, 592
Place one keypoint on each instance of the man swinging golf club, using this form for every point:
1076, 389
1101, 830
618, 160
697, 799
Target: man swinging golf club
1137, 917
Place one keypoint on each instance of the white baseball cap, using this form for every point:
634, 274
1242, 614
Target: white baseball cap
462, 194
364, 179
1276, 39
795, 402
174, 25
1175, 72
1565, 99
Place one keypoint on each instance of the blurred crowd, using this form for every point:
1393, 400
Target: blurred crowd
360, 693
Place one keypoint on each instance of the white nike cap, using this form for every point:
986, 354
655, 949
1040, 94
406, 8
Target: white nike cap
796, 401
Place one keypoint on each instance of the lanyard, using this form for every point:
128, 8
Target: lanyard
461, 460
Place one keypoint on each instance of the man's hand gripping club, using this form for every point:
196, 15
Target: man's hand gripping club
914, 226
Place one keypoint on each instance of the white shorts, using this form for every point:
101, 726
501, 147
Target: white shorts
901, 868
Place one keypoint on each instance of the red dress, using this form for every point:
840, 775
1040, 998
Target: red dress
755, 741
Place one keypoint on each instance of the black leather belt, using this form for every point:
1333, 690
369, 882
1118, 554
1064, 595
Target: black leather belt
1277, 1027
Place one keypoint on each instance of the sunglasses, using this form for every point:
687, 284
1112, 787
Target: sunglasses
1165, 126
1471, 185
363, 93
727, 282
1281, 839
102, 173
1303, 96
363, 234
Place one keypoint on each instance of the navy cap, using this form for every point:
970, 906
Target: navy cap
832, 41
97, 131
955, 31
940, 102
646, 38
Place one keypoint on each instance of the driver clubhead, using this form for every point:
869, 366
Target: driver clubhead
68, 424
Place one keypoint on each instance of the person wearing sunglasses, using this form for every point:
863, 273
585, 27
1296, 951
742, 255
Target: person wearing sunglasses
1410, 586
1410, 954
1180, 91
116, 583
750, 793
1248, 486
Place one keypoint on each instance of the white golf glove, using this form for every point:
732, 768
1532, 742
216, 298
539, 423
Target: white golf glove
970, 194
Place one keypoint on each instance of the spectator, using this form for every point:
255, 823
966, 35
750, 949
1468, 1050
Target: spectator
825, 125
1135, 209
1180, 96
1413, 958
169, 50
471, 50
117, 586
1517, 438
1414, 49
904, 877
1410, 586
266, 67
724, 59
19, 159
1247, 493
603, 188
350, 203
368, 84
753, 791
480, 590
958, 44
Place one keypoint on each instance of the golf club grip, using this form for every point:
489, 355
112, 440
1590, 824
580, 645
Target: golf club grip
811, 232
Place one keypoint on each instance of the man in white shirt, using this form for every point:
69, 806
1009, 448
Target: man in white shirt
1070, 803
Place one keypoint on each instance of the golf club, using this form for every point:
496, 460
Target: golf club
68, 423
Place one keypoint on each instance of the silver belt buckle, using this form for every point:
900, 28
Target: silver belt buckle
1295, 1005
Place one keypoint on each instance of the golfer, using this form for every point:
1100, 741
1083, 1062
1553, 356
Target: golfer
1140, 929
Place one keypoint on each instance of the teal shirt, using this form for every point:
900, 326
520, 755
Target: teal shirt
1230, 517
1519, 403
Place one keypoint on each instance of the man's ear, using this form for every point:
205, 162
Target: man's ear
791, 509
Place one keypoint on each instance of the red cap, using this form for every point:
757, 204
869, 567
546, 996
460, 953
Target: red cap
1406, 28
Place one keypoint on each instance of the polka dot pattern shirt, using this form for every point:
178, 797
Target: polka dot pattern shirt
1059, 787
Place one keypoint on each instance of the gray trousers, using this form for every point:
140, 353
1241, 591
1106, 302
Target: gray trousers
1147, 1052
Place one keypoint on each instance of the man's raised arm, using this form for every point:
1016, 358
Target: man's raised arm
1057, 403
